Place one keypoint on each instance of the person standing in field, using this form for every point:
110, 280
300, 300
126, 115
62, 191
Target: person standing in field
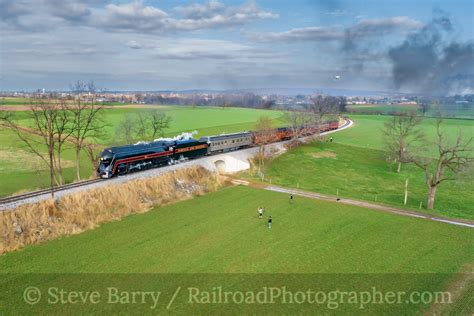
269, 222
260, 213
291, 197
330, 139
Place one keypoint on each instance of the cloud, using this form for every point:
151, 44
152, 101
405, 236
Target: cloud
199, 11
136, 17
315, 33
43, 15
377, 27
131, 17
134, 44
363, 29
12, 10
339, 12
205, 49
72, 11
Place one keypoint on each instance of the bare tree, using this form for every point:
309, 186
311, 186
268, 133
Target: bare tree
401, 133
63, 125
264, 134
42, 134
454, 157
125, 130
93, 153
322, 106
140, 126
299, 122
159, 121
425, 106
88, 120
151, 124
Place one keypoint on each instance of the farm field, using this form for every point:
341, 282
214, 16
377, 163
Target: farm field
381, 108
356, 166
29, 174
447, 110
367, 130
14, 101
220, 233
204, 120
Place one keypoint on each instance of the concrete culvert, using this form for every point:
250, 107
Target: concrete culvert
220, 166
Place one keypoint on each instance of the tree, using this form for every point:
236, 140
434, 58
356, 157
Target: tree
49, 129
453, 157
88, 120
125, 130
151, 125
322, 106
140, 126
268, 104
159, 121
298, 122
63, 125
264, 135
93, 153
401, 132
425, 106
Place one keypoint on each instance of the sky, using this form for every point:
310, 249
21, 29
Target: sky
384, 45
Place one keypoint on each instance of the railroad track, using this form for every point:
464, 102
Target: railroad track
20, 197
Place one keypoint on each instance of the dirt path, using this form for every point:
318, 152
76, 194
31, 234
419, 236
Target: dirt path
377, 207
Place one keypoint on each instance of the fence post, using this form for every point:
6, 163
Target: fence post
406, 192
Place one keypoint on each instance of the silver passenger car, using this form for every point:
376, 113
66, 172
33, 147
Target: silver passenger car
227, 142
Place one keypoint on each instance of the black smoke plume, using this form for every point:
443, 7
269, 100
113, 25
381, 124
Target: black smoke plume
432, 62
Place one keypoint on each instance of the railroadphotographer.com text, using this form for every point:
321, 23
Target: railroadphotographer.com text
221, 296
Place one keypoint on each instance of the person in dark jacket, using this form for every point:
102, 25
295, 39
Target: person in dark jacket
269, 222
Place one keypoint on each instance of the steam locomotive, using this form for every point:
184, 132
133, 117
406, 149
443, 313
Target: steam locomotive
120, 160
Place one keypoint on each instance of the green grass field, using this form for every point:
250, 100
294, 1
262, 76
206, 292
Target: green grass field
220, 233
356, 166
381, 108
10, 101
204, 120
367, 131
447, 110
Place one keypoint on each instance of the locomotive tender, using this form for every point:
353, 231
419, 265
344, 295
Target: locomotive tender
121, 160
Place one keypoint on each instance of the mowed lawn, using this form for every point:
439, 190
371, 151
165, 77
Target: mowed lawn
220, 233
22, 171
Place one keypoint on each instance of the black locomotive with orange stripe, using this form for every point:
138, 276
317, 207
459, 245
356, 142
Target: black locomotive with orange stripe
121, 160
